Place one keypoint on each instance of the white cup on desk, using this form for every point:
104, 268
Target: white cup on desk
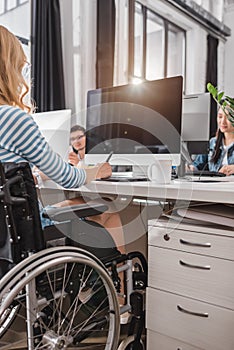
160, 171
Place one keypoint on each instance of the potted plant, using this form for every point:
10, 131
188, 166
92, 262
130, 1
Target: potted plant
224, 101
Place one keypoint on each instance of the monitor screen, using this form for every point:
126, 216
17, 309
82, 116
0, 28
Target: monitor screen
55, 127
133, 121
196, 112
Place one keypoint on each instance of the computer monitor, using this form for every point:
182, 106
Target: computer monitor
138, 123
55, 127
196, 122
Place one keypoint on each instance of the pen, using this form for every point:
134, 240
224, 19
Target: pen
109, 157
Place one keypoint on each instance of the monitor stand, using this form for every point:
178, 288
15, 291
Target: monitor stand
133, 172
184, 159
181, 168
139, 170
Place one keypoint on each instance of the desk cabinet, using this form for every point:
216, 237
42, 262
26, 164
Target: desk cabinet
190, 294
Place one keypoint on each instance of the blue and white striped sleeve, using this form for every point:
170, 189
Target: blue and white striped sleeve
20, 135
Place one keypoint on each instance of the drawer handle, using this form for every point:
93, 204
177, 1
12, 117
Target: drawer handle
199, 314
207, 267
203, 245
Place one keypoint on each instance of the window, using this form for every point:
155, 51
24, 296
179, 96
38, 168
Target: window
138, 41
155, 53
2, 7
175, 51
9, 5
159, 45
11, 14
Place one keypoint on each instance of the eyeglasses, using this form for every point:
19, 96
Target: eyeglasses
77, 138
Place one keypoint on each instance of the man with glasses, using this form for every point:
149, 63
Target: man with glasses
78, 143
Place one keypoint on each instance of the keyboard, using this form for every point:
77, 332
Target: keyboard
207, 173
124, 179
125, 176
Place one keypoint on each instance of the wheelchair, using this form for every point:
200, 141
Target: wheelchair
59, 286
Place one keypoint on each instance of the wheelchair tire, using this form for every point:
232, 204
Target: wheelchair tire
7, 318
66, 299
127, 344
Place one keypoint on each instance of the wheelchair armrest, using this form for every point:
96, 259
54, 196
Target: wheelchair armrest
74, 211
12, 199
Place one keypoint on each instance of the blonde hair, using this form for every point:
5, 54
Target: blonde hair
13, 86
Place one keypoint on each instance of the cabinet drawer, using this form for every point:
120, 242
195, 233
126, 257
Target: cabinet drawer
194, 242
156, 341
196, 276
200, 324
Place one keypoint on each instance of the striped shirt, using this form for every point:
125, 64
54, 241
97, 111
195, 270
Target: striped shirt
21, 140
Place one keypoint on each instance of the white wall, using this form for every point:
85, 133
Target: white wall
11, 20
79, 53
228, 85
18, 22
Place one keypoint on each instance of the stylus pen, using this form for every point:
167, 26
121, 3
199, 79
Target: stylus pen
109, 157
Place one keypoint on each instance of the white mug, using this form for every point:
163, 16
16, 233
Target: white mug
160, 171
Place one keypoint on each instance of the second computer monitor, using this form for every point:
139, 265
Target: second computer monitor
55, 127
135, 122
196, 122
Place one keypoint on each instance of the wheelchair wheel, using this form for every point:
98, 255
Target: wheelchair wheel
64, 298
128, 344
7, 318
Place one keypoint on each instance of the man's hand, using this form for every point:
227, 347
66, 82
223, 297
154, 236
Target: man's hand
73, 158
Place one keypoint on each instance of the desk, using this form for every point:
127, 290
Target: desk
124, 192
199, 291
217, 192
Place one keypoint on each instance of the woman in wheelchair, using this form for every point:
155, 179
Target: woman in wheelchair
21, 139
64, 296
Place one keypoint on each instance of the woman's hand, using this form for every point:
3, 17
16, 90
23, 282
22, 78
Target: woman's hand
190, 167
99, 171
38, 175
227, 169
103, 171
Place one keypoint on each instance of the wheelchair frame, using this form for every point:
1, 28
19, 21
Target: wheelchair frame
64, 294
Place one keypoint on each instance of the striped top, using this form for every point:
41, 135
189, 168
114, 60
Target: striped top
21, 140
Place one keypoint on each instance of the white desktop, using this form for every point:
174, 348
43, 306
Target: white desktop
55, 127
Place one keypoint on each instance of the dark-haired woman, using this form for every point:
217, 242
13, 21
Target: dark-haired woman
221, 148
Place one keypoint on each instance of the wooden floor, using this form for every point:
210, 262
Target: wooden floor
20, 337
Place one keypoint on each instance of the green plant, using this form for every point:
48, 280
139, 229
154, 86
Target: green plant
224, 101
